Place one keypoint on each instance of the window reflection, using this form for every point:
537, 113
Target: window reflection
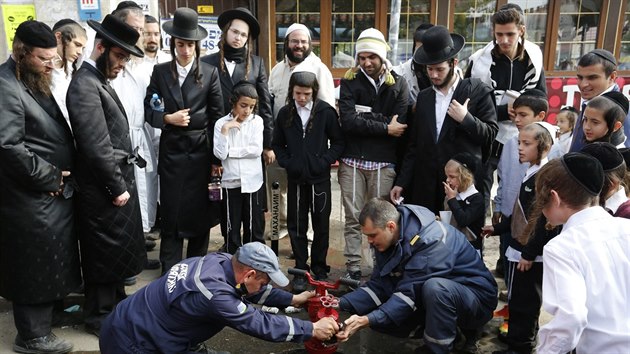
289, 12
577, 32
472, 20
349, 19
624, 57
412, 14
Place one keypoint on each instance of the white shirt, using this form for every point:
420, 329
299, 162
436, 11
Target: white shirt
467, 193
230, 66
586, 286
182, 71
442, 102
376, 85
160, 57
614, 201
304, 113
59, 89
240, 152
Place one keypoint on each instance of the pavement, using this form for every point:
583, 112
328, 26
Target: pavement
69, 325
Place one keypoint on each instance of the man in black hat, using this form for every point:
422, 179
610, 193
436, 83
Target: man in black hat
459, 116
110, 226
191, 94
39, 251
415, 75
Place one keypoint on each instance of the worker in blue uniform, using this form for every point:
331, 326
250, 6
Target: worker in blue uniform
427, 277
200, 296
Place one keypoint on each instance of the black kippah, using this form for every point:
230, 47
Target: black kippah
467, 160
585, 170
619, 98
61, 23
606, 153
625, 152
36, 34
604, 54
535, 93
125, 5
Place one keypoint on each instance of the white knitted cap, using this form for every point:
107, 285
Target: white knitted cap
297, 27
372, 40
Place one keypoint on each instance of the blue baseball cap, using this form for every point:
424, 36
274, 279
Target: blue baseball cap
260, 257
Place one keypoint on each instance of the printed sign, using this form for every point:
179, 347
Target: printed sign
209, 44
13, 16
89, 10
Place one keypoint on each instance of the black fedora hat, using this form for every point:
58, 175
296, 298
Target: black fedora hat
240, 13
118, 33
185, 25
438, 45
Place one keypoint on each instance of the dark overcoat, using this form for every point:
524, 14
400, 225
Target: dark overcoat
185, 152
258, 76
427, 153
111, 237
39, 254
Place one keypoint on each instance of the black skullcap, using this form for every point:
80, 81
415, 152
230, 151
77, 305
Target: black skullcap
619, 98
61, 23
585, 170
467, 160
606, 153
625, 152
535, 93
125, 5
604, 54
36, 34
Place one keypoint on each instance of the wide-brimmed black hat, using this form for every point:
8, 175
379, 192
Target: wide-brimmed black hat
438, 45
118, 33
242, 14
185, 25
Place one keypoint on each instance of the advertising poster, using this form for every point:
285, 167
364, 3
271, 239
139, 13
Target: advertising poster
13, 16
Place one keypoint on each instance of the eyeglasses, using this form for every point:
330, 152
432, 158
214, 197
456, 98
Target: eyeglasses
298, 42
121, 57
54, 62
139, 29
238, 33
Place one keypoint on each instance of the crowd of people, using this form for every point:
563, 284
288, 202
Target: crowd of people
101, 127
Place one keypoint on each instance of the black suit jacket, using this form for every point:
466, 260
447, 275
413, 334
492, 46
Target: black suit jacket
428, 153
258, 76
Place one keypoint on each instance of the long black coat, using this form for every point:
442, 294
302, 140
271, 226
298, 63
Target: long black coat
427, 154
112, 241
258, 76
186, 152
39, 256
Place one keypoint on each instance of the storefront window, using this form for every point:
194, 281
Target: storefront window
624, 55
412, 14
535, 19
349, 18
577, 32
289, 12
472, 20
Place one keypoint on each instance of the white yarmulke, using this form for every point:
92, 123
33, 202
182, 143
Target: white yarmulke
297, 27
552, 129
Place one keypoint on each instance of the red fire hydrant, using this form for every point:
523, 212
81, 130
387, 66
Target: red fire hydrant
322, 305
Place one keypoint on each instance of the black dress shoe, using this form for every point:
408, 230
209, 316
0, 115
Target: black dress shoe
48, 344
149, 245
152, 264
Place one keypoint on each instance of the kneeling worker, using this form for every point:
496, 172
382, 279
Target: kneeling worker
427, 275
199, 296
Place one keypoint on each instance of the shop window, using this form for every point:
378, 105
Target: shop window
289, 12
472, 20
349, 19
577, 32
412, 14
624, 55
535, 20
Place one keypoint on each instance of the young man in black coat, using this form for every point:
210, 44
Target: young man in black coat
454, 115
109, 225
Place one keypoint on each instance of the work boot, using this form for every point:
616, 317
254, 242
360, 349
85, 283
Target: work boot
149, 245
48, 344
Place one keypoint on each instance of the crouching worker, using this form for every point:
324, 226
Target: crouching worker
200, 296
427, 276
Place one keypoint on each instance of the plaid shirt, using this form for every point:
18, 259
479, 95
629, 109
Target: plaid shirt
365, 165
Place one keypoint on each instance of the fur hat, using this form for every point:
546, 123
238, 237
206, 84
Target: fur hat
36, 34
372, 40
586, 170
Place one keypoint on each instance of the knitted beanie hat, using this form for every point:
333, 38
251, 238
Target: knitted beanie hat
372, 40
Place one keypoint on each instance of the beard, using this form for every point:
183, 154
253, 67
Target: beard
296, 59
151, 48
104, 66
447, 79
38, 82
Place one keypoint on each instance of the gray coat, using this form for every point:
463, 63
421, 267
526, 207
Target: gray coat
112, 241
39, 256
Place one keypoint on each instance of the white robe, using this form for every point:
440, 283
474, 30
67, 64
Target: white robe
131, 86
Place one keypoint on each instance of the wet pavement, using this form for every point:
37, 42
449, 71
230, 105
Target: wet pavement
69, 325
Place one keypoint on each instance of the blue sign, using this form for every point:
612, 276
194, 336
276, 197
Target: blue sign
89, 10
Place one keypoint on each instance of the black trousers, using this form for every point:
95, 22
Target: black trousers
524, 302
172, 246
33, 320
316, 199
246, 209
100, 300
